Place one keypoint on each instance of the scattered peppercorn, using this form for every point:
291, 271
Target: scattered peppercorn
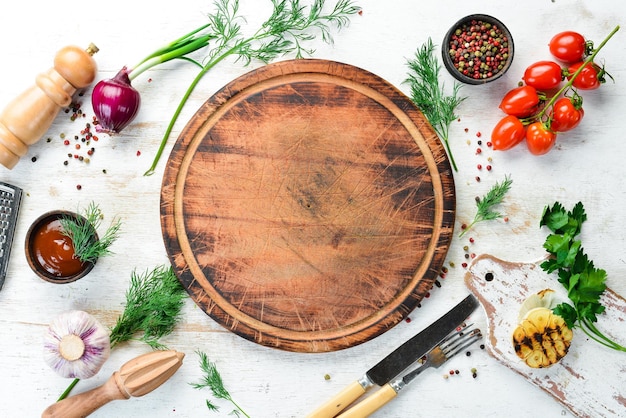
478, 49
33, 159
78, 187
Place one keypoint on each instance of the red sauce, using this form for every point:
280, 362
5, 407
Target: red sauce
55, 251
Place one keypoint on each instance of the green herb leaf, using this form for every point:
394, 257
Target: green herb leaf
288, 30
584, 283
213, 380
154, 302
83, 234
485, 206
429, 94
568, 313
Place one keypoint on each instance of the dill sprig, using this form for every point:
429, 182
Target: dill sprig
287, 31
485, 205
154, 302
83, 234
429, 94
213, 380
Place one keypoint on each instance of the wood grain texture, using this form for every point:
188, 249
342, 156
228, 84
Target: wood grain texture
308, 206
576, 381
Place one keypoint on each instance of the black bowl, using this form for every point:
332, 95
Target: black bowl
489, 59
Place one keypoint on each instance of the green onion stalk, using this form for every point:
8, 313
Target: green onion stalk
288, 30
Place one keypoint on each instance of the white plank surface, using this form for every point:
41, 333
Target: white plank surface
587, 165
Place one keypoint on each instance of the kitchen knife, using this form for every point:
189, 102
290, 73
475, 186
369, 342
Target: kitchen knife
399, 359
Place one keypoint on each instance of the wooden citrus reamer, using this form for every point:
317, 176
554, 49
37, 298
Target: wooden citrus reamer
27, 117
135, 378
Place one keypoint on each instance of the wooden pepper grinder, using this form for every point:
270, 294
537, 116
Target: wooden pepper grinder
136, 377
27, 118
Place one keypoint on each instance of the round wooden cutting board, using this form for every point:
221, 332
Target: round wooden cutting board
308, 206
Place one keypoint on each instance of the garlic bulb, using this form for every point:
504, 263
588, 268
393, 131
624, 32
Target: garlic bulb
76, 345
541, 337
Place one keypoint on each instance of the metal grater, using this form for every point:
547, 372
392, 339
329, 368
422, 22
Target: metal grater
10, 199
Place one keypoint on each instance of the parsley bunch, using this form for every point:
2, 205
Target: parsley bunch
584, 282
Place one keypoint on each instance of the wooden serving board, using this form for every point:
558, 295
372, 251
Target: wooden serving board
308, 206
589, 380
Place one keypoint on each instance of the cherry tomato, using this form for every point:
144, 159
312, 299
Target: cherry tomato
521, 102
539, 139
589, 78
507, 133
543, 75
566, 114
568, 46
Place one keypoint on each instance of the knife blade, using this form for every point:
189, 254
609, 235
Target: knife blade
399, 359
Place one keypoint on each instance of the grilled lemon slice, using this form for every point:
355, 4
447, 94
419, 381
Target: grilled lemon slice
541, 338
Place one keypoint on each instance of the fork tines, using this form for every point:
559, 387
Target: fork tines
459, 340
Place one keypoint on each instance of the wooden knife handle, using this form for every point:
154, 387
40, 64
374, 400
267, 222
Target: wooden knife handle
370, 404
80, 406
340, 401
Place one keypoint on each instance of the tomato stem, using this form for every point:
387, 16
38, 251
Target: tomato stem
569, 83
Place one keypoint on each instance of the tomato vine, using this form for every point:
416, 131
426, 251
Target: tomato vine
537, 109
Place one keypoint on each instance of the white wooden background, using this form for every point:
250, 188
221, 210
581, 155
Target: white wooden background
587, 165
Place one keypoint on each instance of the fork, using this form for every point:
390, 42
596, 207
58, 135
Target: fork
448, 348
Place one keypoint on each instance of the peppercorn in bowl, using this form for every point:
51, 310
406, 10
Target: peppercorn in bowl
477, 49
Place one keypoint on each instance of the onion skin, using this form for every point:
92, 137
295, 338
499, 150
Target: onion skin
115, 102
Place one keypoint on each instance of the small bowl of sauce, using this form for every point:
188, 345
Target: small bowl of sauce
50, 252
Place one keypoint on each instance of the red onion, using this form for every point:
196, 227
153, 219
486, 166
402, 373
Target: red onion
115, 102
